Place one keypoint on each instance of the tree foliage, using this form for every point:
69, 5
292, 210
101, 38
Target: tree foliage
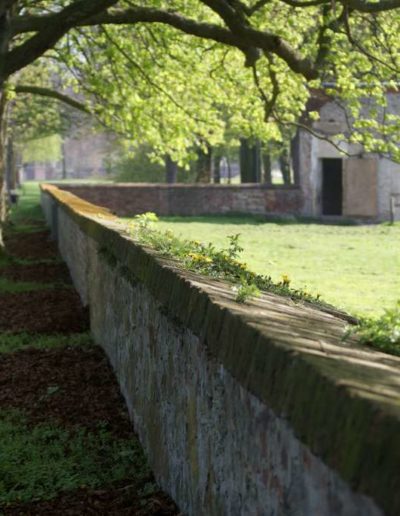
182, 74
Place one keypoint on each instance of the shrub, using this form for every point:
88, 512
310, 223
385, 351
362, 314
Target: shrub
382, 333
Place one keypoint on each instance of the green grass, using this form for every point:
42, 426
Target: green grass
37, 462
356, 268
28, 209
25, 228
40, 461
10, 342
12, 287
7, 260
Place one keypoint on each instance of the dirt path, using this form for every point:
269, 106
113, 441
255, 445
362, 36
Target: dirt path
55, 384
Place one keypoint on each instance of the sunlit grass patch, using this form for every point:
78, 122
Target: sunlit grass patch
356, 268
28, 210
38, 462
10, 342
13, 287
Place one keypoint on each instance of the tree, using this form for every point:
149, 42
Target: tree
250, 161
349, 47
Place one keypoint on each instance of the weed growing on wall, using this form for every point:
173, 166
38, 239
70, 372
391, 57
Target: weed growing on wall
206, 259
383, 333
245, 291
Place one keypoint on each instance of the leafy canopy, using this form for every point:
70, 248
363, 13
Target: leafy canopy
184, 73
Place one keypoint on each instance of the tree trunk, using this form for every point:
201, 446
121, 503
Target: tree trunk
295, 152
284, 162
204, 166
250, 161
5, 16
217, 168
63, 161
267, 168
3, 186
228, 164
11, 165
171, 170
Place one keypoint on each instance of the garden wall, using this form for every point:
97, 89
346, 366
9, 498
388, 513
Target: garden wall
256, 409
180, 199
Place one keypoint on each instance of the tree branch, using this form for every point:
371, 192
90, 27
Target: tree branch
363, 50
53, 94
372, 7
306, 3
245, 38
269, 103
308, 129
48, 35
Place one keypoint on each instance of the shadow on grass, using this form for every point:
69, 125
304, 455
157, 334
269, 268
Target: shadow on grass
256, 220
28, 209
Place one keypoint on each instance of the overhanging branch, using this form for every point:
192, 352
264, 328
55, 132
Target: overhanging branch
52, 94
245, 39
47, 36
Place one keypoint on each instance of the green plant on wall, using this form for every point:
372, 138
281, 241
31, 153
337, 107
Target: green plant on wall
383, 332
206, 259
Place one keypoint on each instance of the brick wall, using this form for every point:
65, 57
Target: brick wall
131, 199
243, 409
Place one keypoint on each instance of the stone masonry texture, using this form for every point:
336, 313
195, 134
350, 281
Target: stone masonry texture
132, 199
257, 409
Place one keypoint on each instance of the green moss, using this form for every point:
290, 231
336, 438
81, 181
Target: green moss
108, 256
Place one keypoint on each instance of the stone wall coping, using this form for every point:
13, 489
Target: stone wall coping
342, 399
178, 186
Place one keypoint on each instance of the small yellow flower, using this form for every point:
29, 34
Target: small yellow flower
199, 258
285, 279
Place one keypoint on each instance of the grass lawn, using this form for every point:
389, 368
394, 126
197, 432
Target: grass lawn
356, 268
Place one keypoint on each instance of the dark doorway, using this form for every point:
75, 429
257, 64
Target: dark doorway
332, 186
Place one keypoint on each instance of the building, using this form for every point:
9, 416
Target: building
360, 186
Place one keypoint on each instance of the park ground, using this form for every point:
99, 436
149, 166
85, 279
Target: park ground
67, 445
353, 267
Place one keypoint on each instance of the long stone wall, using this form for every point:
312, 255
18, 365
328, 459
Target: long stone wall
180, 199
257, 409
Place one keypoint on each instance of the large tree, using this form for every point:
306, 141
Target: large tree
350, 47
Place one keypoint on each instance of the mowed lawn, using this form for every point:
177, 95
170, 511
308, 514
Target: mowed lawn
356, 268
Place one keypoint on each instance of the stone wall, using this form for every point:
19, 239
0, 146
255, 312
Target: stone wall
180, 199
256, 409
